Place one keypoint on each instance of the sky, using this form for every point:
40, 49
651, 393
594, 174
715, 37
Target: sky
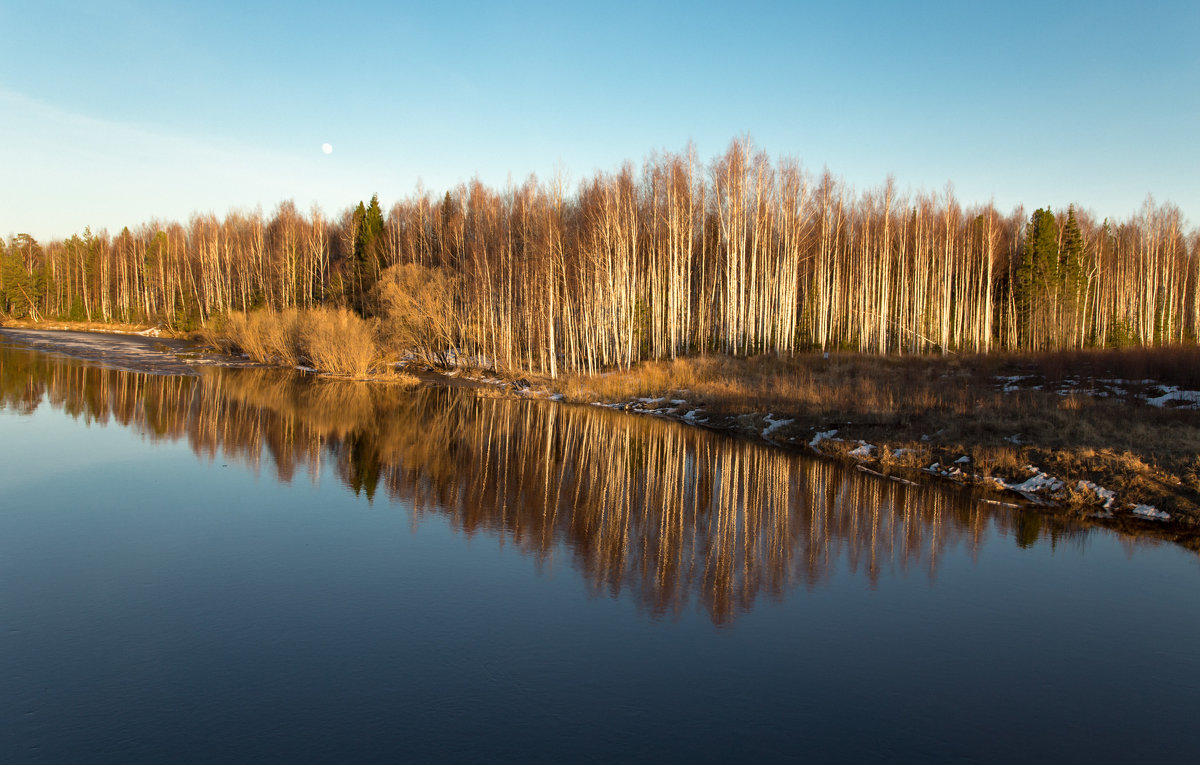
119, 113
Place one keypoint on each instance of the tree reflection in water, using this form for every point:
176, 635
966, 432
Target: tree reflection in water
661, 511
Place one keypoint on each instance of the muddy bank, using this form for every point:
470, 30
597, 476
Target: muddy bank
132, 352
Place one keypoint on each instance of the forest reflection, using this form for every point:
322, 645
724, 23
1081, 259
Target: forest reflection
665, 513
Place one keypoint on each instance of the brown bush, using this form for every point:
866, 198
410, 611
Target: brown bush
327, 339
337, 340
416, 304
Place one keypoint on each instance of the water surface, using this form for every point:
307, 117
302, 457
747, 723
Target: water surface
252, 564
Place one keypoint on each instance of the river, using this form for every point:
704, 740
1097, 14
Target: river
254, 564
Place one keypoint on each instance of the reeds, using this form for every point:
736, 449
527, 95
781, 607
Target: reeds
332, 340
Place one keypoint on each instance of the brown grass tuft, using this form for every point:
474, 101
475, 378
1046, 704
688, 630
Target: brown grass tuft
337, 340
328, 339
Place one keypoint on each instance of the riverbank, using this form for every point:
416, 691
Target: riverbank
119, 346
1113, 435
1109, 433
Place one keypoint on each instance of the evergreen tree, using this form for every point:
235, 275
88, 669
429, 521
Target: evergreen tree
1072, 280
368, 248
1037, 278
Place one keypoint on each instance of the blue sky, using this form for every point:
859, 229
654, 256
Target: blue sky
116, 113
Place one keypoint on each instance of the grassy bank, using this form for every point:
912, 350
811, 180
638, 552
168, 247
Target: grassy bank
1081, 416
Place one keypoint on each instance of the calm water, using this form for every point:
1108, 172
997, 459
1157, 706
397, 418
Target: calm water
250, 565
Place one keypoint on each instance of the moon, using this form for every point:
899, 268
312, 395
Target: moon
327, 148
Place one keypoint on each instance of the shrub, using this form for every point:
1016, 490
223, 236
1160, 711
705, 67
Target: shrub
417, 307
338, 341
330, 340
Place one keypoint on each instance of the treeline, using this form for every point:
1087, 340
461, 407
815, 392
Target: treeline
741, 256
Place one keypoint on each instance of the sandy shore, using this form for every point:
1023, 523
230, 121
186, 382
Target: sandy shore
130, 352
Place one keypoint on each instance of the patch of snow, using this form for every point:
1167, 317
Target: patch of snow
303, 368
822, 436
962, 460
1188, 398
677, 402
901, 452
773, 425
1011, 382
863, 451
945, 472
557, 397
691, 416
653, 400
1151, 512
1039, 481
1109, 496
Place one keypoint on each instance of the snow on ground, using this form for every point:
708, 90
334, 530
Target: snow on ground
1107, 495
822, 436
1037, 482
1188, 399
862, 451
1151, 512
773, 424
1010, 383
693, 416
945, 472
1167, 395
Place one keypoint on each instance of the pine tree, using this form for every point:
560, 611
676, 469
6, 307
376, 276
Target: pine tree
368, 249
1037, 279
1071, 279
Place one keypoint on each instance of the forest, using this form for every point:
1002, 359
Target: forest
741, 256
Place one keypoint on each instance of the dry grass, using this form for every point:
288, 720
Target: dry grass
338, 341
939, 408
327, 339
268, 337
